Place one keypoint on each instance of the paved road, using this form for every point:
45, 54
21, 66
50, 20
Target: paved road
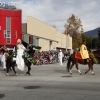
51, 82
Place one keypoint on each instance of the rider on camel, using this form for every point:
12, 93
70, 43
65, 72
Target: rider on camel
20, 51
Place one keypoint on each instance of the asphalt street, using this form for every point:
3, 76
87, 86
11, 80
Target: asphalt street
51, 82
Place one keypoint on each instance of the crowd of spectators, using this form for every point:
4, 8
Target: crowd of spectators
48, 57
45, 57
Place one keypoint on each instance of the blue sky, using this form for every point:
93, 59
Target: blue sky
56, 12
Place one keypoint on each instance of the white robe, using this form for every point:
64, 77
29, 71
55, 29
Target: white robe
60, 55
19, 59
2, 59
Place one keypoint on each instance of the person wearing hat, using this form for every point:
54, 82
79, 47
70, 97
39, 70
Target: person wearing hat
84, 52
20, 51
60, 55
3, 48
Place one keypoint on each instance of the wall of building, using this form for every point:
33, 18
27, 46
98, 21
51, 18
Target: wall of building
15, 25
38, 28
53, 46
3, 26
44, 44
25, 38
45, 33
61, 38
69, 42
58, 38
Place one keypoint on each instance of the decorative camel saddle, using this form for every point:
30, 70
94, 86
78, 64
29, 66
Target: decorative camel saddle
31, 59
91, 55
14, 54
25, 56
78, 55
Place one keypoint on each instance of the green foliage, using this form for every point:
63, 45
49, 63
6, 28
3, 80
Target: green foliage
95, 42
92, 42
14, 54
93, 57
29, 58
84, 37
99, 34
87, 39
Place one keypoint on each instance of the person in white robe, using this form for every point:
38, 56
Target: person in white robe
60, 55
19, 59
2, 56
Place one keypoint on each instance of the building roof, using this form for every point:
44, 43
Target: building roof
7, 7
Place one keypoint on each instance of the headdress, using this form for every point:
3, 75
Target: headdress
84, 42
19, 41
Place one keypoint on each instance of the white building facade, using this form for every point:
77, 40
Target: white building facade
46, 36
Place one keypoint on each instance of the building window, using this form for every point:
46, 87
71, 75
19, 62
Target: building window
0, 27
37, 41
8, 40
8, 23
7, 34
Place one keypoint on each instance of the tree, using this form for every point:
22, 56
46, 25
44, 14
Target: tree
76, 40
87, 38
99, 34
98, 41
74, 29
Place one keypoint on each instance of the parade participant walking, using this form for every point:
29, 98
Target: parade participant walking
3, 50
60, 55
84, 52
19, 59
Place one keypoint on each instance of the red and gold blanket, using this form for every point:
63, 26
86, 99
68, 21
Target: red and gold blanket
78, 55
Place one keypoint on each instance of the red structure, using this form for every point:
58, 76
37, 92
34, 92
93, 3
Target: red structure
10, 26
